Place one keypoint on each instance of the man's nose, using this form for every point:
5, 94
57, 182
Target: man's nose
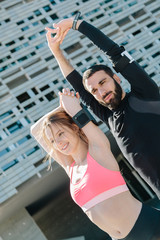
101, 92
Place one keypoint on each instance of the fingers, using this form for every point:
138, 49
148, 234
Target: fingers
58, 36
77, 95
64, 34
67, 92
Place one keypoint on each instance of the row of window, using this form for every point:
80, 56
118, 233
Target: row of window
12, 163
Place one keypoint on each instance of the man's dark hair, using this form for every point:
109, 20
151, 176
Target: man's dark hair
95, 68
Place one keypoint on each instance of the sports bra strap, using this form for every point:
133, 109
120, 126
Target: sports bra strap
71, 169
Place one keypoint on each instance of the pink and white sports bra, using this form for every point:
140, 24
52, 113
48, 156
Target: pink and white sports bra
97, 185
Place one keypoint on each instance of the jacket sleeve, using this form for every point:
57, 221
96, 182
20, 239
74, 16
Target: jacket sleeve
141, 84
75, 79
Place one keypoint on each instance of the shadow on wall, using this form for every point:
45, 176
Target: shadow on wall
60, 218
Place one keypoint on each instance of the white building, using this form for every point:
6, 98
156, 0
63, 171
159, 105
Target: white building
30, 80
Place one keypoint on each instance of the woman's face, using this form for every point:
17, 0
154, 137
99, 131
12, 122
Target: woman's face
63, 138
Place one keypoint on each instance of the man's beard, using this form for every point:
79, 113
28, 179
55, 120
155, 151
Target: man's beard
116, 99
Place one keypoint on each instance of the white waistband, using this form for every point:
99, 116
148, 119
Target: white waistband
103, 196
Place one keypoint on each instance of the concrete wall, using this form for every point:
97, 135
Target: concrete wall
21, 227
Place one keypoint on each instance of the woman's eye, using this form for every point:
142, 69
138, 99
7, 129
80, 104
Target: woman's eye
61, 133
52, 141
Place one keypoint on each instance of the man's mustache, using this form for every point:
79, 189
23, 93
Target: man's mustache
106, 95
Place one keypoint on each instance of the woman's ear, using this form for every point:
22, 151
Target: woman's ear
75, 128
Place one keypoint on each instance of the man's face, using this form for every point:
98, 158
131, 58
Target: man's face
106, 90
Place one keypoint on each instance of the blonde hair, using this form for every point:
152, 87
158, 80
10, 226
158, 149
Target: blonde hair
59, 117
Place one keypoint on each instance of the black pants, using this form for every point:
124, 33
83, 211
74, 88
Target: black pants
147, 226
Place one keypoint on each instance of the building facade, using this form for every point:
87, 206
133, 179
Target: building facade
30, 80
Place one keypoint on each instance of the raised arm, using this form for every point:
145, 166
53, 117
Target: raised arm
71, 105
68, 71
99, 146
141, 84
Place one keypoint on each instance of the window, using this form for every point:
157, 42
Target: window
136, 32
52, 2
100, 59
27, 120
152, 74
34, 90
21, 38
4, 151
40, 45
44, 88
156, 30
73, 48
35, 23
6, 116
24, 139
5, 59
54, 16
9, 165
29, 105
42, 32
55, 81
7, 67
156, 10
15, 127
149, 46
49, 58
38, 72
37, 13
88, 59
26, 57
139, 13
31, 151
132, 3
16, 49
41, 99
17, 82
47, 8
123, 21
156, 54
32, 37
23, 97
7, 20
132, 51
151, 24
25, 28
30, 18
50, 96
44, 21
20, 22
64, 81
10, 43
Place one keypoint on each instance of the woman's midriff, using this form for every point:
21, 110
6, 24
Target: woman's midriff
116, 215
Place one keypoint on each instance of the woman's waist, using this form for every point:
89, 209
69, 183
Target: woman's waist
116, 215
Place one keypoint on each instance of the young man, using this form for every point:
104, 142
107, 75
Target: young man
133, 118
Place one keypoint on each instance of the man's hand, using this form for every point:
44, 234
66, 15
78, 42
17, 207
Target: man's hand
54, 42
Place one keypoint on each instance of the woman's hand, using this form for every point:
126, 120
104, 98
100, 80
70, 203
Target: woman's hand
69, 101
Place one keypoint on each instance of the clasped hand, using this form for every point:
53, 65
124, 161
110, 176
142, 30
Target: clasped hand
69, 101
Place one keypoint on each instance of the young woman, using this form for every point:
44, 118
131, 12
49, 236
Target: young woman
96, 184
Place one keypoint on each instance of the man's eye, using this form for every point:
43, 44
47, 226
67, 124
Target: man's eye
52, 141
102, 82
94, 91
61, 133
